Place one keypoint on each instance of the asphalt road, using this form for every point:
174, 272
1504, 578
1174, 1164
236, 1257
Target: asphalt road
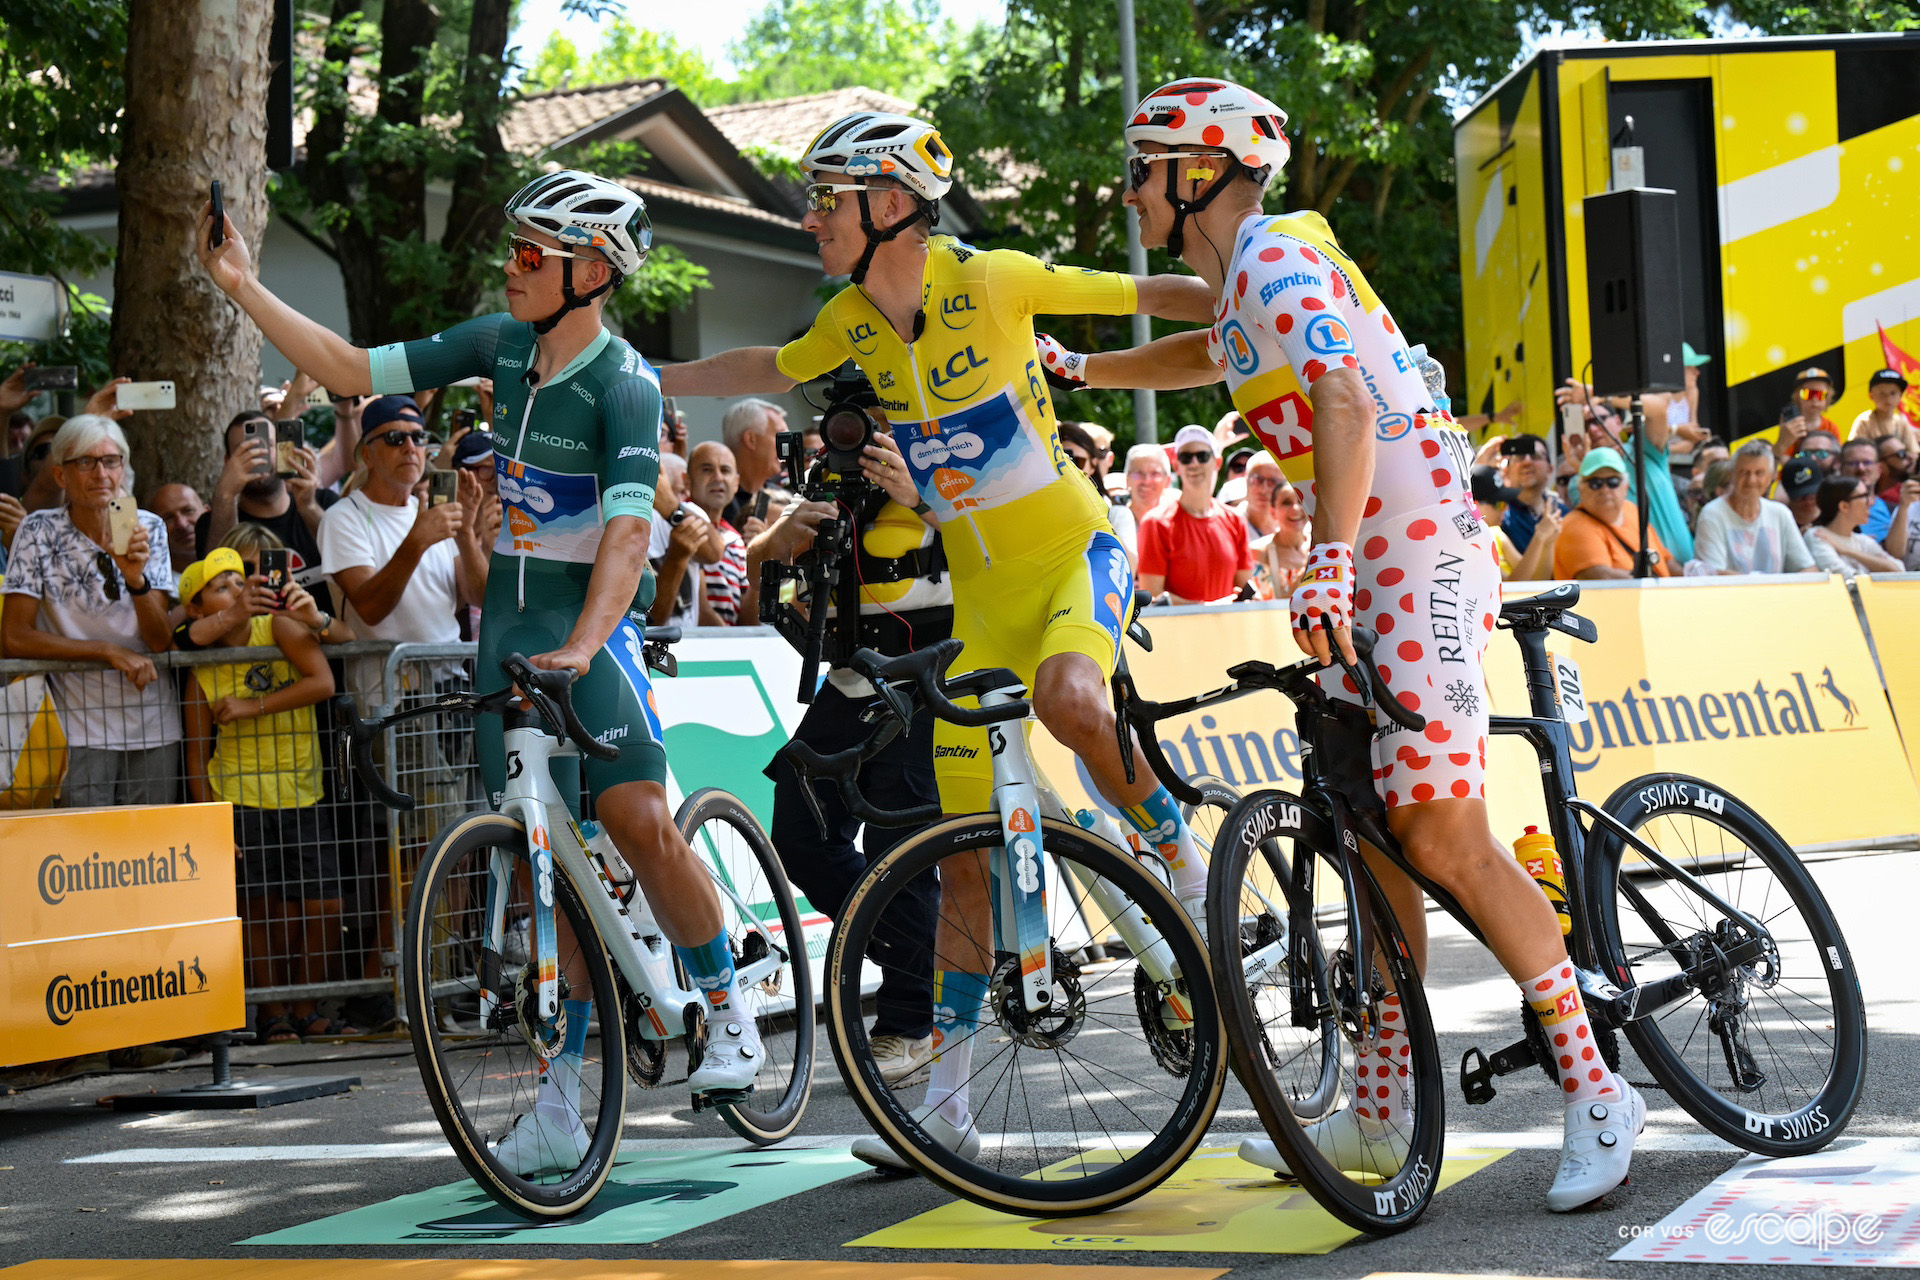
1492, 1223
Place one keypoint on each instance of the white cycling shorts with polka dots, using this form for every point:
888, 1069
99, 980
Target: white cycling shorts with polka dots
1428, 584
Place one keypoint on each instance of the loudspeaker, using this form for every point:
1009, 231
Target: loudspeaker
1633, 290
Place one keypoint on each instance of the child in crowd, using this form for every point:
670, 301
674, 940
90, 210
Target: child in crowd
250, 726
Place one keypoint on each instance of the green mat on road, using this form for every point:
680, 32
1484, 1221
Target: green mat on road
648, 1197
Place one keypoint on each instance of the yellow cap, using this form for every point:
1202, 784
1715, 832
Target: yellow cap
196, 575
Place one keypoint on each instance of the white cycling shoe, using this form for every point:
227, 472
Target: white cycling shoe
1350, 1144
732, 1060
542, 1141
965, 1142
1597, 1148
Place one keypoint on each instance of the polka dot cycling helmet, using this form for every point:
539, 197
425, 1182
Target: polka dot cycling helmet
1218, 115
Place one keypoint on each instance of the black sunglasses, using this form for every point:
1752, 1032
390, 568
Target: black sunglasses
1189, 456
394, 439
110, 577
1603, 482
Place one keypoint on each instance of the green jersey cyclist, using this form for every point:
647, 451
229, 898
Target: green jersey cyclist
944, 332
578, 415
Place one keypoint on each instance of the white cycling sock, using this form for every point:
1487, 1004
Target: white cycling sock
957, 1000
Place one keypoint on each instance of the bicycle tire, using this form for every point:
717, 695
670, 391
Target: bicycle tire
1103, 1168
461, 1057
1787, 1113
723, 832
1267, 1011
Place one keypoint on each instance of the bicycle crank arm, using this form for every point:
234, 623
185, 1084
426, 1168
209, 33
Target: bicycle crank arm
1477, 1070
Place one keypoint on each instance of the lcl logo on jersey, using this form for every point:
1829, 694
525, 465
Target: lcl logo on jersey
959, 365
958, 311
1328, 336
863, 336
1240, 353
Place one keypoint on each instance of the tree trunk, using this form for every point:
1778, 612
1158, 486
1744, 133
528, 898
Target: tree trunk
195, 111
475, 217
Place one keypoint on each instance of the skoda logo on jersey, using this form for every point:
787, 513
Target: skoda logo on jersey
1240, 354
1391, 426
958, 311
941, 381
863, 336
1328, 336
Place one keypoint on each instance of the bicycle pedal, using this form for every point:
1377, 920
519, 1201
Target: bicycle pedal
1476, 1077
720, 1098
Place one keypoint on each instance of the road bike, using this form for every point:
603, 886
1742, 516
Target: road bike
1694, 930
486, 977
1098, 1060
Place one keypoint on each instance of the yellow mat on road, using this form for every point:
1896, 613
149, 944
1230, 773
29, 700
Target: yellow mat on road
550, 1269
1215, 1203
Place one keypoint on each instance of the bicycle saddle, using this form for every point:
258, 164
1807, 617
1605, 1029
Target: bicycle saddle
1550, 610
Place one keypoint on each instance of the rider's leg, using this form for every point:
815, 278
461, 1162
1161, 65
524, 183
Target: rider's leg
963, 961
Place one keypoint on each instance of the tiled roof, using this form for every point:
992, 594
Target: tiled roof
688, 197
540, 120
788, 124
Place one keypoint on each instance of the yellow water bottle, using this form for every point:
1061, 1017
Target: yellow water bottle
1542, 861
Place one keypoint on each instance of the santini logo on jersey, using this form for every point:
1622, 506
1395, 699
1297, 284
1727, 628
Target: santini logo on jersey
1275, 287
636, 451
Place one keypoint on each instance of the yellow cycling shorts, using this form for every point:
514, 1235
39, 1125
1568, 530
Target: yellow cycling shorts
1016, 615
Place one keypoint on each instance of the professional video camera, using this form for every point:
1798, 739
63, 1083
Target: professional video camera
834, 569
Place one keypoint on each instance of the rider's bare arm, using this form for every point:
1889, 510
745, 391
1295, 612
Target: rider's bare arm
312, 347
1172, 297
739, 372
1172, 363
1343, 415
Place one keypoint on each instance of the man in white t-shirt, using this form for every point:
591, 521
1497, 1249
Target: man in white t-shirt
1742, 532
400, 567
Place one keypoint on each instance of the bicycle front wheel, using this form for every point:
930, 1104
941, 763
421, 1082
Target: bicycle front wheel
1072, 1113
482, 1045
769, 947
1303, 1013
1768, 1048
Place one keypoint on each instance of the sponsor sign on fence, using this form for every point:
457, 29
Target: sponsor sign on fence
119, 927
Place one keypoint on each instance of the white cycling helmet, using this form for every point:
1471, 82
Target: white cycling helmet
879, 144
1218, 115
578, 208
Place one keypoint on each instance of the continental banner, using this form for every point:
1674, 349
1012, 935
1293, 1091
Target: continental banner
1757, 685
119, 927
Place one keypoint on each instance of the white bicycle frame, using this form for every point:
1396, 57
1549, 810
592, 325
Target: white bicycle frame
1021, 795
628, 930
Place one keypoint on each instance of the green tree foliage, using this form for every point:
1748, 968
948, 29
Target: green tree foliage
625, 52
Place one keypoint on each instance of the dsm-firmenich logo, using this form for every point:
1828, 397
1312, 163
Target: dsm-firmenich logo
61, 876
1645, 717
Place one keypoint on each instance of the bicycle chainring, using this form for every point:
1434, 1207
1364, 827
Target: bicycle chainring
646, 1057
1172, 1047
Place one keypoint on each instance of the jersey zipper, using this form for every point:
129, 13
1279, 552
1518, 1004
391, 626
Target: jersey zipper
520, 443
973, 523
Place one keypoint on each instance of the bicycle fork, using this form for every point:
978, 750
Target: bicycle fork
1018, 875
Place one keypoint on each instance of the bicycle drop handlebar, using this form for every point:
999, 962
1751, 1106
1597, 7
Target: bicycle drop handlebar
549, 692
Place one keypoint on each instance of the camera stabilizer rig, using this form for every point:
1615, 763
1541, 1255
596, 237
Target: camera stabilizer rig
825, 571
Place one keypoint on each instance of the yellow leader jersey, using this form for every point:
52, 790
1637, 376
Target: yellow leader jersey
967, 400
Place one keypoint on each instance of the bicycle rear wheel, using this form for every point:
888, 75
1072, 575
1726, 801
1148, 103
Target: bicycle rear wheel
471, 1004
1075, 1117
1769, 1048
762, 925
1302, 1011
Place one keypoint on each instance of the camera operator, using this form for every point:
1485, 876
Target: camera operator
894, 557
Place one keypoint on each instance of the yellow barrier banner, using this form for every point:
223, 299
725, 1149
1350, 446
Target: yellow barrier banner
119, 927
1753, 685
1892, 606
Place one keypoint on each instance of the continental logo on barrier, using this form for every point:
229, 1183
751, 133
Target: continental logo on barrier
60, 877
1644, 717
68, 997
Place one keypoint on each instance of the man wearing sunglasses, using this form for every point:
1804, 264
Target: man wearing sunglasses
1195, 549
577, 419
945, 333
1323, 376
1601, 536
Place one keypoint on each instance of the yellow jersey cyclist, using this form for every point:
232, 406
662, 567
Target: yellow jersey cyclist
944, 332
1319, 369
578, 416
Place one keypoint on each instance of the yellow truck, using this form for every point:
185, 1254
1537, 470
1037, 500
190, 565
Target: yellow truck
1797, 167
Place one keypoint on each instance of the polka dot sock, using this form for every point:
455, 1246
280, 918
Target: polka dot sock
1381, 1095
1555, 998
